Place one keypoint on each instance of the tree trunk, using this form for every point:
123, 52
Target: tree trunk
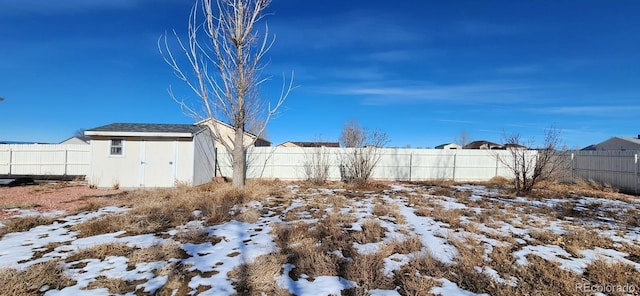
239, 159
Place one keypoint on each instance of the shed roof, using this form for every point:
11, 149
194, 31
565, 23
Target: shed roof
145, 129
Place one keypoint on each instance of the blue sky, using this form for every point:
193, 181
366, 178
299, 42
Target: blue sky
422, 71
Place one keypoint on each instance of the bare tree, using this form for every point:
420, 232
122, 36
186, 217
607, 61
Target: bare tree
532, 166
224, 58
363, 153
463, 139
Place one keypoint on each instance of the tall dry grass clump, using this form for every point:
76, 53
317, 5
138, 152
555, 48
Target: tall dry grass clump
25, 223
34, 280
372, 232
259, 277
367, 271
154, 211
417, 277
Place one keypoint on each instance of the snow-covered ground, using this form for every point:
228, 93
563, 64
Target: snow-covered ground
242, 242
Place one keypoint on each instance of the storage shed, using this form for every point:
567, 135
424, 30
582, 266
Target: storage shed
141, 155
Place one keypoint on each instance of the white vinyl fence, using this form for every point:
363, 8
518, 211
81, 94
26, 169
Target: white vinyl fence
617, 168
396, 164
44, 160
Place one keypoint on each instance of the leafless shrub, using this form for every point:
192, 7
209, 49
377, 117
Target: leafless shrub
530, 167
316, 164
364, 150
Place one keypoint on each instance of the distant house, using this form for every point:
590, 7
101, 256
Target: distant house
482, 145
310, 144
139, 155
617, 144
226, 131
75, 140
514, 146
449, 146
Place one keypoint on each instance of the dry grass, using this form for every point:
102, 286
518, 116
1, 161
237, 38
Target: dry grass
367, 186
325, 248
36, 279
451, 217
259, 277
309, 259
436, 182
602, 273
578, 239
195, 235
248, 215
102, 251
372, 232
412, 244
441, 191
159, 210
499, 182
17, 205
25, 223
159, 252
367, 272
114, 285
538, 277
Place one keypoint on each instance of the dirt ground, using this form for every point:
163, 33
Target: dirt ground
48, 197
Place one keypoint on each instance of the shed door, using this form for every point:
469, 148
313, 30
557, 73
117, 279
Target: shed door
157, 165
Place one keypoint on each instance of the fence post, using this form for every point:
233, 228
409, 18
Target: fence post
66, 159
573, 176
10, 159
636, 168
410, 164
455, 158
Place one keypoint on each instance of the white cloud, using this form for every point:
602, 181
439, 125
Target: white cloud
593, 110
413, 92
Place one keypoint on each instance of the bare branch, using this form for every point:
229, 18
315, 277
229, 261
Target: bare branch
221, 37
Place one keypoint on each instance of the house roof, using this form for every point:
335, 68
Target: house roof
314, 144
447, 144
631, 139
616, 143
83, 139
145, 129
482, 145
514, 146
